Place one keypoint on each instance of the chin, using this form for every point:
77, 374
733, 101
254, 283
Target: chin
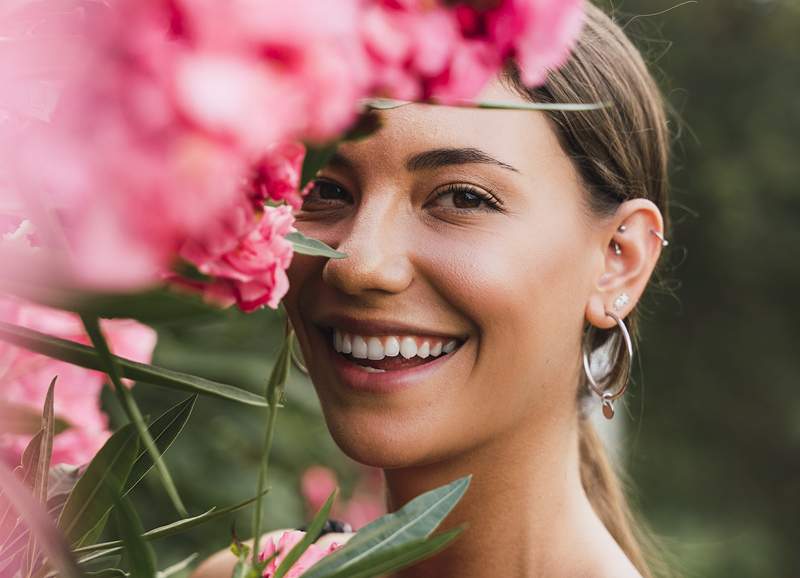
386, 439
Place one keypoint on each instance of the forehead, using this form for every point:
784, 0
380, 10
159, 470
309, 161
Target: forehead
523, 139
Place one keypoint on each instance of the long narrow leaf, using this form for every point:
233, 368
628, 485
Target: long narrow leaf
311, 536
83, 356
414, 521
93, 495
308, 246
391, 559
42, 469
141, 558
52, 542
128, 402
163, 430
170, 529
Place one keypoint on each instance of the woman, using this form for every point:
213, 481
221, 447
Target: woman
487, 250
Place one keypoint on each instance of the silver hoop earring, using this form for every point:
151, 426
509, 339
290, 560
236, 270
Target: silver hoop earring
607, 397
294, 349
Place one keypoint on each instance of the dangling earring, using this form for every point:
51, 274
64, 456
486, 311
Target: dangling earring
296, 355
607, 397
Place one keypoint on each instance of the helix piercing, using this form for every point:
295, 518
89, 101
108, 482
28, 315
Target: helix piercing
617, 249
664, 242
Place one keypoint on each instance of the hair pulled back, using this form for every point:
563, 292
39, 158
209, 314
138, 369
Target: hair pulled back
621, 152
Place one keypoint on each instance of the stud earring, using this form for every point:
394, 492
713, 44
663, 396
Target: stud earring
617, 249
622, 228
621, 301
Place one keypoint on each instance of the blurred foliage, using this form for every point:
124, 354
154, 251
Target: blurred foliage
713, 437
714, 434
214, 461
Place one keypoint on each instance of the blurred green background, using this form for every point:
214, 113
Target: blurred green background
712, 437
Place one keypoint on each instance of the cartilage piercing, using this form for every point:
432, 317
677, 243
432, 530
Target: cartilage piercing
617, 249
664, 242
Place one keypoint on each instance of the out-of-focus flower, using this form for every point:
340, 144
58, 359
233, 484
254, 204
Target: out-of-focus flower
252, 272
25, 377
283, 546
364, 505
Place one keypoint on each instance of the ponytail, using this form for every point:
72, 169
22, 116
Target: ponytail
607, 497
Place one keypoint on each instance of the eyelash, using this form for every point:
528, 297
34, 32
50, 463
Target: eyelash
492, 203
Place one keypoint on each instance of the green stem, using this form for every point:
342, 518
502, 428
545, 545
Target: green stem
128, 403
275, 387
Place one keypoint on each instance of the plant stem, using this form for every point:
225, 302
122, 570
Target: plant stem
128, 403
275, 387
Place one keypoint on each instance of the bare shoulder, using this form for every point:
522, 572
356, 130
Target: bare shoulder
221, 564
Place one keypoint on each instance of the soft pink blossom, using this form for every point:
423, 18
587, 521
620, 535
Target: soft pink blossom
25, 377
364, 505
252, 272
284, 545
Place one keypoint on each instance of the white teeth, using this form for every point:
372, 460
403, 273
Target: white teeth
392, 347
359, 347
375, 349
408, 347
347, 344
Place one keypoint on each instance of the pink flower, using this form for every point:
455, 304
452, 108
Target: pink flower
284, 545
25, 377
251, 273
365, 504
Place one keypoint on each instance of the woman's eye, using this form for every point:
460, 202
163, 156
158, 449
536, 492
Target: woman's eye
325, 194
464, 198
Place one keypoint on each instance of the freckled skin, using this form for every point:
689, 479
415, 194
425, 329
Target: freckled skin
518, 284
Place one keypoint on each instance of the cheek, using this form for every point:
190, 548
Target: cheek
525, 288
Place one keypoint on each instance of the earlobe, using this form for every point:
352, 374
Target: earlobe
633, 241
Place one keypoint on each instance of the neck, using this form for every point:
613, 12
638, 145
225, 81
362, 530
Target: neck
526, 510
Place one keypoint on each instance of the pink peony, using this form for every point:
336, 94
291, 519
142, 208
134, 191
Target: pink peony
25, 377
284, 545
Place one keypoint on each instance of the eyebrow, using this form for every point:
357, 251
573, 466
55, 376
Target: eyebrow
434, 159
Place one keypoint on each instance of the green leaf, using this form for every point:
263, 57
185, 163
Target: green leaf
87, 357
92, 326
311, 536
93, 495
169, 529
398, 557
108, 573
414, 521
163, 430
308, 246
141, 558
42, 467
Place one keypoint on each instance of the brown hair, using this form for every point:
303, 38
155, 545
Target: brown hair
621, 152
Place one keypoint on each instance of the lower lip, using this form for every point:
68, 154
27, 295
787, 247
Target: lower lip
354, 377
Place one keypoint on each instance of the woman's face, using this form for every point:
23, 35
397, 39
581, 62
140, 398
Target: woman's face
457, 316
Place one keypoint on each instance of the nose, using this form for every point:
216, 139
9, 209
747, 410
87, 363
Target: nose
377, 255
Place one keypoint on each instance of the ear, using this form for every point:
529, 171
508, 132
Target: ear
628, 269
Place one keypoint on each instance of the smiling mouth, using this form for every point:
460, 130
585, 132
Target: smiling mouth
383, 353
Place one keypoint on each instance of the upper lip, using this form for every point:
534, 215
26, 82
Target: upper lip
364, 326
